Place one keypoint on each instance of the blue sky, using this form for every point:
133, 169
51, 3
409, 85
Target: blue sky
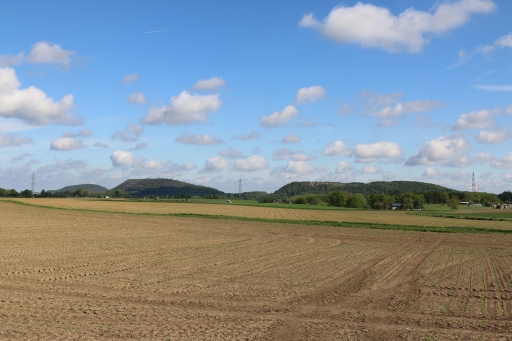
271, 92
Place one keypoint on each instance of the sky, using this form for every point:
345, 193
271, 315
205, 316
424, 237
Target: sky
270, 92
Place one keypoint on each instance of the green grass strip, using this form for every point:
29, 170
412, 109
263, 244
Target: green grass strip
448, 229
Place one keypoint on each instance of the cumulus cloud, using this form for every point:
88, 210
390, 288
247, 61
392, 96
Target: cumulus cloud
279, 118
252, 163
484, 157
231, 153
389, 113
121, 158
503, 162
443, 150
475, 120
130, 134
184, 109
302, 157
337, 148
311, 94
504, 41
343, 167
250, 136
498, 136
290, 138
373, 26
130, 78
49, 53
372, 152
216, 163
281, 154
140, 146
205, 139
31, 105
299, 167
210, 84
430, 172
508, 111
137, 98
100, 145
11, 60
8, 140
82, 133
66, 144
371, 169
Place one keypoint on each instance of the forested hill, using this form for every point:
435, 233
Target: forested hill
91, 187
159, 187
377, 187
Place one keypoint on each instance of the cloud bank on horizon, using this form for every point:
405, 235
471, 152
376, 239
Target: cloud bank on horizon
357, 91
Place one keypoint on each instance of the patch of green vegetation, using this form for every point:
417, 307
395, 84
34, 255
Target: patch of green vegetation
480, 214
449, 229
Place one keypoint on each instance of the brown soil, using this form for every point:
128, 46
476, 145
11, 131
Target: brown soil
86, 275
367, 216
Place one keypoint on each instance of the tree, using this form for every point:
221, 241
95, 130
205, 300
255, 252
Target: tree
300, 201
357, 201
87, 193
78, 192
454, 202
12, 193
337, 199
3, 192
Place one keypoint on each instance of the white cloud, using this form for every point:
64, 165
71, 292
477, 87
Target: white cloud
431, 172
100, 145
311, 94
11, 60
443, 150
216, 163
205, 139
337, 148
49, 53
345, 109
281, 154
494, 136
184, 109
504, 41
343, 167
503, 162
66, 143
211, 84
388, 113
475, 120
299, 167
130, 134
140, 146
152, 164
7, 140
31, 105
494, 87
231, 153
279, 117
370, 169
484, 157
302, 157
121, 158
250, 136
372, 152
82, 133
252, 163
130, 78
290, 138
372, 26
137, 98
508, 111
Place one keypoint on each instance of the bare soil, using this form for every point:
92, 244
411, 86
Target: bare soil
94, 276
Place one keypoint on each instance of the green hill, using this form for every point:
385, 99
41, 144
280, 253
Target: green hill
377, 187
93, 188
160, 187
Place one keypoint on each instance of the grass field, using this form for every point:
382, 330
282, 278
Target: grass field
82, 275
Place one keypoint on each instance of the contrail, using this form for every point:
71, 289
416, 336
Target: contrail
171, 29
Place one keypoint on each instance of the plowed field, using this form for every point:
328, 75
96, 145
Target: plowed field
98, 276
357, 216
